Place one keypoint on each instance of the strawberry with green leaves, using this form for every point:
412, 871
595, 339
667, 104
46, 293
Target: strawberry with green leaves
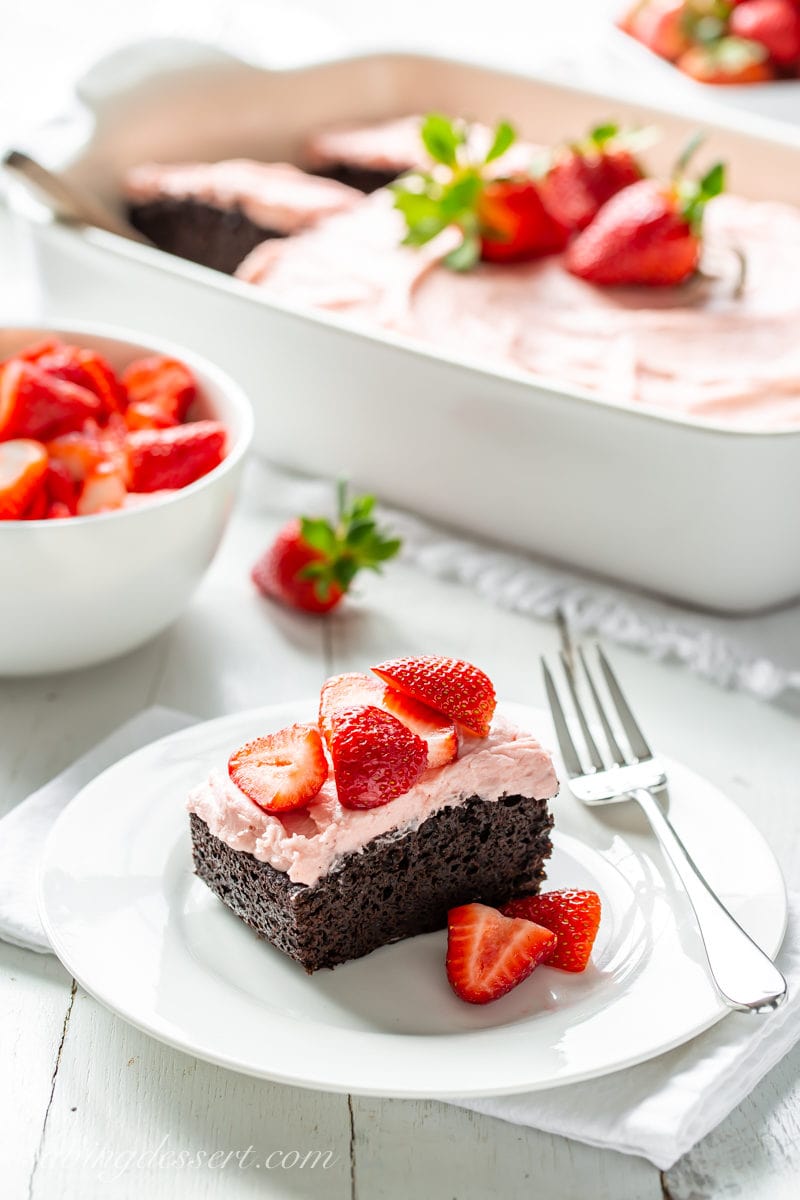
581, 176
648, 234
500, 220
312, 562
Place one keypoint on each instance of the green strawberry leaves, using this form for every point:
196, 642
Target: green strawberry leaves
448, 194
354, 543
693, 194
504, 138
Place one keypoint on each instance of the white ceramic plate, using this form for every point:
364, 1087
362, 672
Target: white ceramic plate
130, 921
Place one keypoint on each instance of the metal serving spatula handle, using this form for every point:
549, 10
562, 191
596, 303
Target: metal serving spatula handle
66, 201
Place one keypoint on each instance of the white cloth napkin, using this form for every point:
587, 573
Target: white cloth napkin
663, 1107
24, 830
657, 1110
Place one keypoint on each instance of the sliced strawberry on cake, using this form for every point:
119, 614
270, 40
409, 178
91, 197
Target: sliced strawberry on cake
450, 686
354, 688
281, 771
375, 757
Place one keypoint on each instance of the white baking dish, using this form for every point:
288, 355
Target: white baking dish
702, 514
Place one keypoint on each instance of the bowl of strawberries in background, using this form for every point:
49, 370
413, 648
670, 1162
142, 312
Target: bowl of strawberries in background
119, 462
747, 50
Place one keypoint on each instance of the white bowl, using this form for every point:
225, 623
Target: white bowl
79, 591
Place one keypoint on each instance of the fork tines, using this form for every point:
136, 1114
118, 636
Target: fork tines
638, 749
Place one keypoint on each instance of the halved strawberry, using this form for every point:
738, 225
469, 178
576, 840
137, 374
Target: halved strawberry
163, 384
144, 414
60, 486
57, 511
81, 452
103, 490
573, 916
174, 458
375, 756
36, 405
88, 369
488, 953
37, 509
350, 690
23, 464
353, 689
450, 686
281, 771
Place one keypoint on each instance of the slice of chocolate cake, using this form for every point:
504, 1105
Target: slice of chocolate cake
329, 883
371, 156
216, 213
399, 885
367, 156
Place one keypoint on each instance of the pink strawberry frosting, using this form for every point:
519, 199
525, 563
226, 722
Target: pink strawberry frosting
702, 351
396, 145
275, 196
306, 844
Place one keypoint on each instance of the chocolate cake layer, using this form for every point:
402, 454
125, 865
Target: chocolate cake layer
400, 885
214, 237
365, 179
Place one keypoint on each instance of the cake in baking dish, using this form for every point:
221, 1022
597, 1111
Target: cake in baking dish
216, 213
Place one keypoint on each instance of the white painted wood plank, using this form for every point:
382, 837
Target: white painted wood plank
123, 1102
34, 1001
48, 722
234, 649
425, 1148
405, 612
755, 1153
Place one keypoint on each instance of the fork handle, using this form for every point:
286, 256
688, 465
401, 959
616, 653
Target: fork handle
744, 975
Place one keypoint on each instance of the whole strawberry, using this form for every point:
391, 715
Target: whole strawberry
775, 24
312, 562
581, 176
500, 219
649, 234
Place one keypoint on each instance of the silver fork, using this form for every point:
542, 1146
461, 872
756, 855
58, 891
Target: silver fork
744, 975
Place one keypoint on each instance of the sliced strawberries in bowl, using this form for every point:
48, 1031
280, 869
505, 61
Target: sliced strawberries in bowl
34, 404
176, 457
23, 466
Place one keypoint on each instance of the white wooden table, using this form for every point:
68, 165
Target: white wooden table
87, 1102
76, 1082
